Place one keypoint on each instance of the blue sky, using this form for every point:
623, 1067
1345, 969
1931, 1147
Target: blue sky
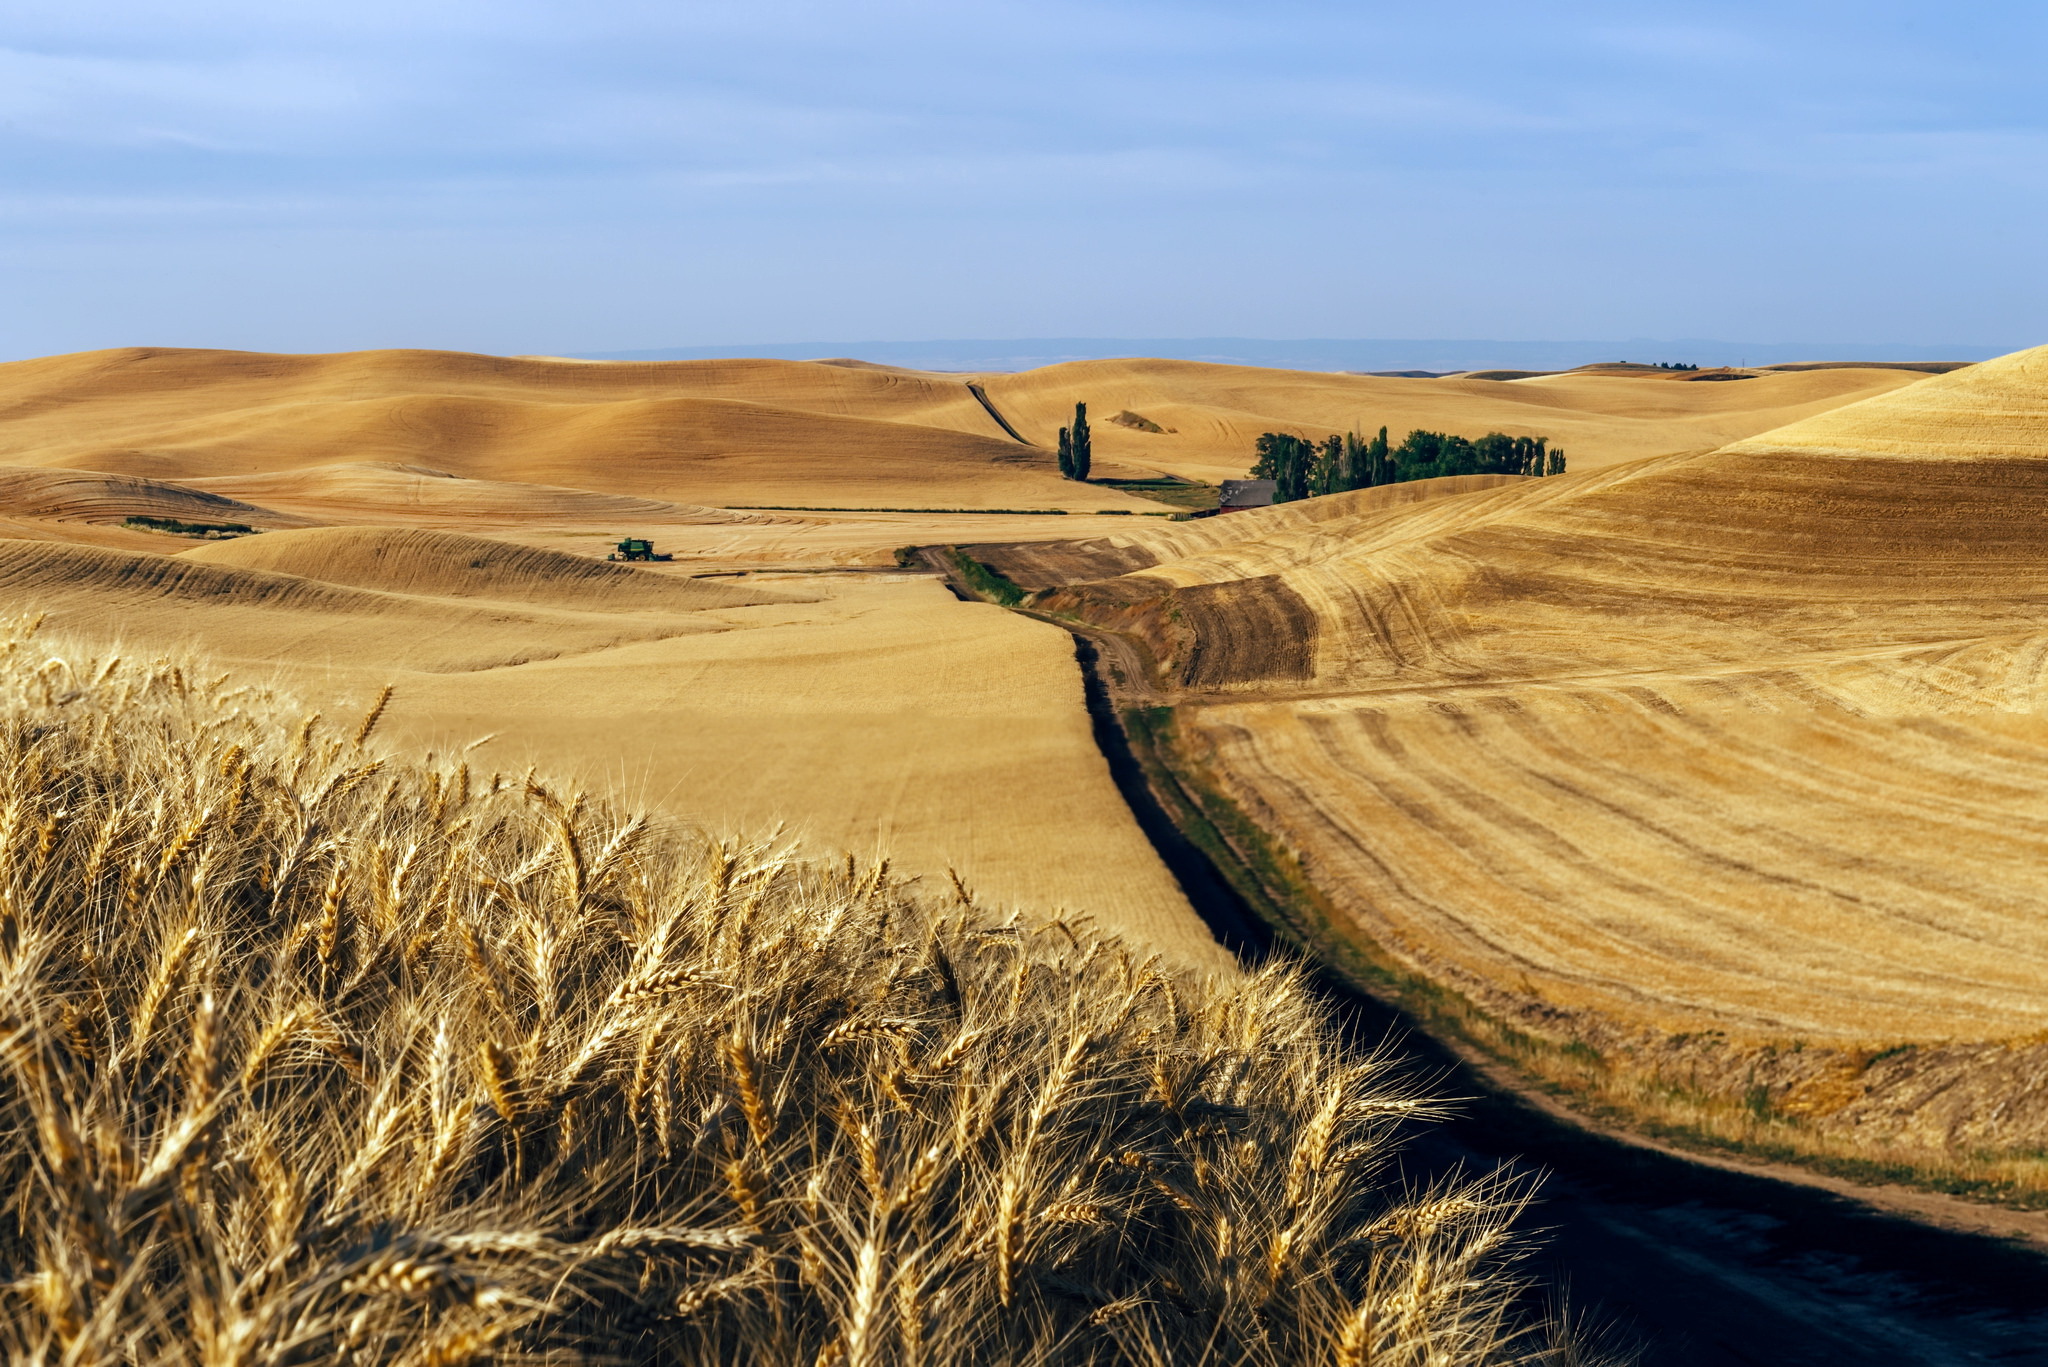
528, 175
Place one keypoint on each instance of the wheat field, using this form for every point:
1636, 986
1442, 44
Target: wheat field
310, 1052
434, 521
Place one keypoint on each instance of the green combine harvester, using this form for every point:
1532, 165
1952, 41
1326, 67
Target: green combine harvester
636, 548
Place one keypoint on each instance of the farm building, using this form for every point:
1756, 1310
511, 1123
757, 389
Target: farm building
1239, 494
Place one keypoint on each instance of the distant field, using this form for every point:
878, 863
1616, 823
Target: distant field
793, 433
1213, 414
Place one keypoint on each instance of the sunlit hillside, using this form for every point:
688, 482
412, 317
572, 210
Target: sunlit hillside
763, 432
304, 428
1711, 785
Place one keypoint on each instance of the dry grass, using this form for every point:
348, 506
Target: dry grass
308, 1054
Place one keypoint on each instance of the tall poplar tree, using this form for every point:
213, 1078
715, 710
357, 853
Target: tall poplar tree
1329, 467
1082, 456
1352, 474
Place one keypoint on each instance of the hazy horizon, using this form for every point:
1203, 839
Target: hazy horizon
1343, 354
1366, 355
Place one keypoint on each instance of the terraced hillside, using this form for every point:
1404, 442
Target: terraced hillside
1713, 788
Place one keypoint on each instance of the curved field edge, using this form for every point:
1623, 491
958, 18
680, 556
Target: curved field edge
308, 1051
1698, 1092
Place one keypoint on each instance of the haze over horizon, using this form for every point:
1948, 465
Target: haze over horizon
541, 178
1357, 354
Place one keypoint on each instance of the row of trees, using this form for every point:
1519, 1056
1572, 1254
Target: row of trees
1301, 468
1075, 445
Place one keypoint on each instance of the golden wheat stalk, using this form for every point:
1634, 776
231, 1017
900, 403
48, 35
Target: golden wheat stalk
452, 1068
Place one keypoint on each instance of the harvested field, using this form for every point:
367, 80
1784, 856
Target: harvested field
88, 496
1709, 786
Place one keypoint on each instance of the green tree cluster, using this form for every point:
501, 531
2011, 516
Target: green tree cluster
1076, 446
1301, 468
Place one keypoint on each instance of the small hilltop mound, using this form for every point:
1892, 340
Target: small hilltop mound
449, 565
90, 496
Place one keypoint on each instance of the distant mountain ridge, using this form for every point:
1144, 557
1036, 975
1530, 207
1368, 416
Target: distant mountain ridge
1314, 354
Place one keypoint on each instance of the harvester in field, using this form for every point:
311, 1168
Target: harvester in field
636, 548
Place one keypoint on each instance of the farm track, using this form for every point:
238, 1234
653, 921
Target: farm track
982, 396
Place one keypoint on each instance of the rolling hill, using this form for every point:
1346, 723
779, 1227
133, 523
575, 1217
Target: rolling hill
1708, 786
774, 432
449, 565
792, 433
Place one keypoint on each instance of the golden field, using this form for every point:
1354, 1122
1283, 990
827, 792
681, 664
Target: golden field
865, 711
346, 1010
1679, 747
1707, 787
